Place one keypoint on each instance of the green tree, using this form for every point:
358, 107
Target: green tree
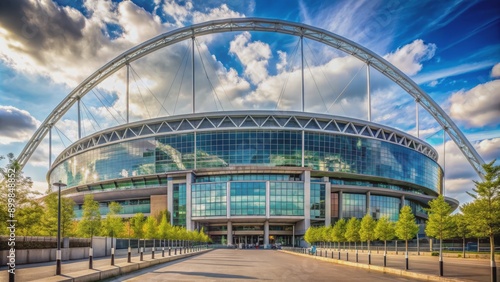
311, 235
48, 219
483, 214
14, 183
384, 230
352, 231
164, 227
29, 219
137, 225
440, 224
461, 229
112, 225
90, 224
406, 228
367, 230
338, 231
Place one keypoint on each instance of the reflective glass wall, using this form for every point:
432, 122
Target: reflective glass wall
322, 152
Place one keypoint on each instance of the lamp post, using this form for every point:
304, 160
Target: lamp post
58, 253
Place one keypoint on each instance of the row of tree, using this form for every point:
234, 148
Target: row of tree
37, 217
366, 230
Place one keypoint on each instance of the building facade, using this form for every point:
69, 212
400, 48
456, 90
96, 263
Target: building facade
253, 177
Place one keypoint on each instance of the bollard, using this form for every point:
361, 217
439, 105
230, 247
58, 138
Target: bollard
142, 258
385, 258
91, 254
347, 256
169, 251
129, 255
356, 255
406, 258
163, 252
112, 256
369, 257
175, 251
339, 255
153, 253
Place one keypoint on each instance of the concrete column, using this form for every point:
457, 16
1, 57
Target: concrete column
189, 179
266, 233
307, 198
341, 208
268, 199
170, 198
368, 203
228, 200
328, 203
229, 233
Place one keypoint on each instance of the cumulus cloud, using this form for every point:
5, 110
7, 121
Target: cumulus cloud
409, 58
459, 173
16, 125
495, 72
254, 56
477, 107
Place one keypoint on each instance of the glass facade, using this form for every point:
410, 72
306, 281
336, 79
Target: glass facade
353, 205
322, 152
208, 199
128, 207
179, 206
385, 206
317, 201
248, 198
286, 198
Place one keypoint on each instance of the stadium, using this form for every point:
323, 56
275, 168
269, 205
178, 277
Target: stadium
254, 176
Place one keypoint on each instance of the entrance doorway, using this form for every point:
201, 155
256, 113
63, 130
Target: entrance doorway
248, 241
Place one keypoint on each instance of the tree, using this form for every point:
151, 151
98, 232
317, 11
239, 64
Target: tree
440, 224
18, 188
338, 232
29, 219
90, 224
164, 227
112, 225
137, 225
367, 232
48, 220
461, 229
483, 214
384, 230
311, 235
406, 228
352, 231
150, 230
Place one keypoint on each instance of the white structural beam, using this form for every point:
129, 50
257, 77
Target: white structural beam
265, 25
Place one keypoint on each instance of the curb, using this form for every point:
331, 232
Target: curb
114, 270
400, 272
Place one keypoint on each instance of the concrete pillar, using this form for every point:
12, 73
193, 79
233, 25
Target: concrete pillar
228, 200
268, 199
328, 203
170, 198
307, 198
368, 203
189, 224
229, 233
266, 233
341, 208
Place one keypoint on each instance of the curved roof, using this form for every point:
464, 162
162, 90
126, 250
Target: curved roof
258, 24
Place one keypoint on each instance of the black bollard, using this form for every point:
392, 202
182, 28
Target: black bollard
142, 257
91, 254
129, 255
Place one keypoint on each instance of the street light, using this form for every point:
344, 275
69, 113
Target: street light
58, 253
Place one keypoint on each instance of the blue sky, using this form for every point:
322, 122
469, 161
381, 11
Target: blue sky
450, 48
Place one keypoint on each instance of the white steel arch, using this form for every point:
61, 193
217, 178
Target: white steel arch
258, 24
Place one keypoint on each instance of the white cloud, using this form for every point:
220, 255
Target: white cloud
254, 56
495, 72
479, 106
459, 173
16, 125
409, 57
